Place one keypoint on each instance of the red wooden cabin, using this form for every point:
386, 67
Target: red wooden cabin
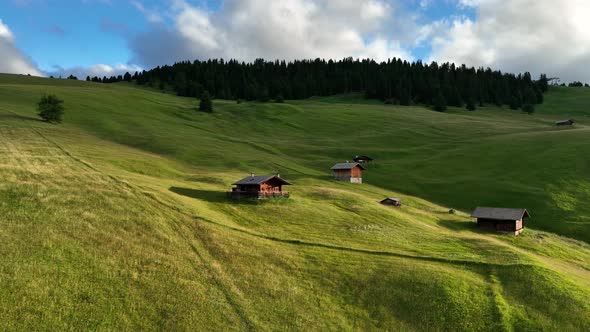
260, 186
349, 172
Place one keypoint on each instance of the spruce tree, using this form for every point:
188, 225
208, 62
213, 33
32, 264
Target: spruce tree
206, 105
471, 105
440, 104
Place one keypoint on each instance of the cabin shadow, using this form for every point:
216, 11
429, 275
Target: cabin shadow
455, 225
210, 196
205, 195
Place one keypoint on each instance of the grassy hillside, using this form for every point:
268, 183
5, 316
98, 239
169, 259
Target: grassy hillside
117, 219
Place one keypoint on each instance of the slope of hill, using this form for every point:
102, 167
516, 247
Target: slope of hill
117, 219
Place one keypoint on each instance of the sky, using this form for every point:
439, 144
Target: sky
110, 37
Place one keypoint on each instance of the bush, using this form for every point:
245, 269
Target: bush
206, 105
279, 99
51, 108
528, 108
452, 211
471, 106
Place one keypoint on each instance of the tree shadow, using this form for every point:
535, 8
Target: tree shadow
12, 116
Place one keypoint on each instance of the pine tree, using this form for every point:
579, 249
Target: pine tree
206, 105
471, 105
515, 102
440, 104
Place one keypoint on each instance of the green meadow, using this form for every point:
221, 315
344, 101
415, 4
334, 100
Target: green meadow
118, 219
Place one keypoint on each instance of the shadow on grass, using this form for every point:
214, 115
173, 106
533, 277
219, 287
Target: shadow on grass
9, 116
455, 225
205, 195
212, 196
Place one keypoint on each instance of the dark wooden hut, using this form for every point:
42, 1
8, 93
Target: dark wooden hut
563, 123
392, 201
500, 219
260, 186
363, 159
348, 172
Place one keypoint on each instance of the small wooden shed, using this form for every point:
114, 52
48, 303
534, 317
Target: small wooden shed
392, 201
562, 123
363, 159
348, 172
501, 219
260, 186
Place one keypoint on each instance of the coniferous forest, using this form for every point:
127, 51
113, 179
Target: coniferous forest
395, 81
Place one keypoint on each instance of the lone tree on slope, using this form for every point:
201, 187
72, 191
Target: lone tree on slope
206, 105
51, 108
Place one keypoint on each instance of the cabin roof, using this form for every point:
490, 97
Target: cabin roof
392, 199
499, 213
365, 158
564, 121
260, 179
345, 166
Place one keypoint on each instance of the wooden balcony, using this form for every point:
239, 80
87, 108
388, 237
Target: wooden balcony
257, 195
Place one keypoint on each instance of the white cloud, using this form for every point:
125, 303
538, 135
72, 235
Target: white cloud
151, 15
289, 29
13, 61
521, 35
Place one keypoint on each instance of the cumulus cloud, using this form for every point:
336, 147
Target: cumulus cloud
521, 35
98, 70
290, 29
12, 60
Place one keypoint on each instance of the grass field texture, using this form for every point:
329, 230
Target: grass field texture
118, 218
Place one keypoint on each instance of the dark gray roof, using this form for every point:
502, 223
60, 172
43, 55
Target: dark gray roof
499, 213
259, 179
346, 166
564, 121
365, 158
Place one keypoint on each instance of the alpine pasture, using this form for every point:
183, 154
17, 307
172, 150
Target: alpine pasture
118, 218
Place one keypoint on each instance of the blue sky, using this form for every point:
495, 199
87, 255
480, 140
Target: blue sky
90, 36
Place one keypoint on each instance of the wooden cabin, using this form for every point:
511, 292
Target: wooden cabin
392, 201
260, 186
501, 220
363, 159
563, 123
348, 172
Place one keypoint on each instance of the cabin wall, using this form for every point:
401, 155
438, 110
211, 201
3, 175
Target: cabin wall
357, 172
508, 226
486, 224
249, 188
270, 188
353, 175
